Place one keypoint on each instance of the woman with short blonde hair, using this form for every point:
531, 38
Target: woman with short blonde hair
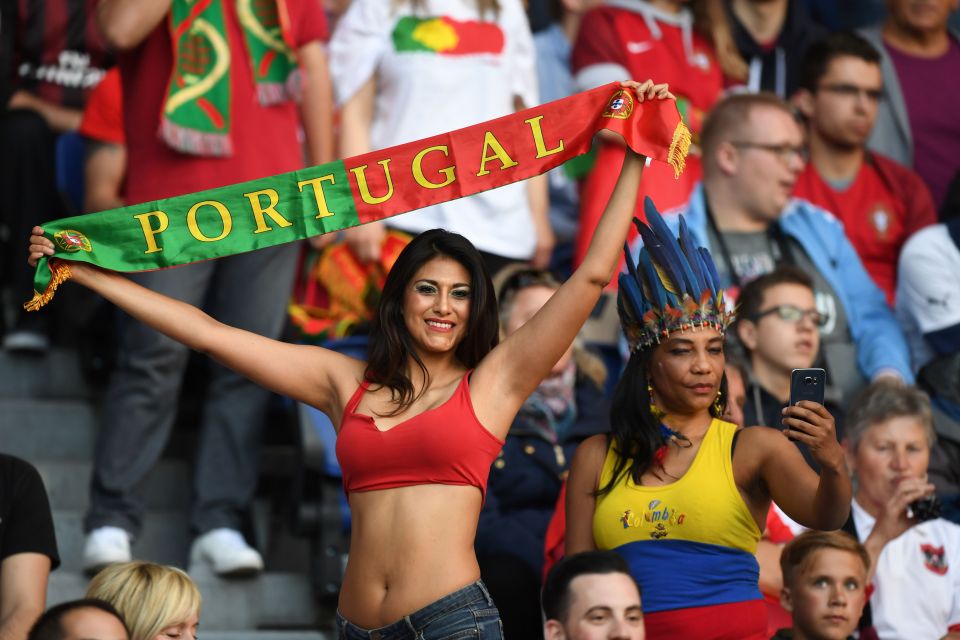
156, 601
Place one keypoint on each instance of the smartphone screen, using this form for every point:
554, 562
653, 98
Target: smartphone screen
807, 384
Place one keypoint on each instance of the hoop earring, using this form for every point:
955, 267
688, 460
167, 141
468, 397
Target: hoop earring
718, 405
656, 411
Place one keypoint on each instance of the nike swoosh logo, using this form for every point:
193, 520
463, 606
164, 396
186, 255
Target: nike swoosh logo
639, 47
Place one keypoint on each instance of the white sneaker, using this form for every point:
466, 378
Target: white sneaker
227, 552
103, 546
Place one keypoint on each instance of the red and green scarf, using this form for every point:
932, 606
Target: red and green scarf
346, 193
196, 112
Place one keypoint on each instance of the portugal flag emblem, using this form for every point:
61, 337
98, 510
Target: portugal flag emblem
72, 241
620, 105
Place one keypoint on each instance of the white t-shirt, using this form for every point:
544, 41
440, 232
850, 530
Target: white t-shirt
928, 288
426, 87
917, 584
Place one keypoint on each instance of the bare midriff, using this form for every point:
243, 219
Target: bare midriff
409, 547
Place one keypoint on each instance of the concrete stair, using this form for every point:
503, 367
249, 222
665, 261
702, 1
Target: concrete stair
49, 416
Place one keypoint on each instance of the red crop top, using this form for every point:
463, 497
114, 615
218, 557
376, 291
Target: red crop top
443, 445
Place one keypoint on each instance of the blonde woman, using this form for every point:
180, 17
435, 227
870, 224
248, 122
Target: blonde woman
157, 602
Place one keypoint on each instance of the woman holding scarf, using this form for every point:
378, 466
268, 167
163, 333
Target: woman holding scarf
681, 493
421, 421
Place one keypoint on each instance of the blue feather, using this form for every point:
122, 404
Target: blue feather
689, 248
630, 299
711, 269
674, 259
659, 295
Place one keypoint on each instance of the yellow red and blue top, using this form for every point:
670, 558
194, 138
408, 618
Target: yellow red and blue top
690, 543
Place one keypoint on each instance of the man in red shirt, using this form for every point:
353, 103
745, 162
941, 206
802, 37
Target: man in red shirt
880, 202
251, 134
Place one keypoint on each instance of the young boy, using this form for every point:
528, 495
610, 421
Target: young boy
824, 585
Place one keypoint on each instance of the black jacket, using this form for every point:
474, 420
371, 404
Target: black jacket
525, 481
779, 67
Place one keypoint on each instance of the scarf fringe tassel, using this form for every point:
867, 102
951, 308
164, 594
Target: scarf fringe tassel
679, 147
195, 142
59, 273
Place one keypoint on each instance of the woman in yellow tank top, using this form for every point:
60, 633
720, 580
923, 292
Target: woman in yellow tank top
677, 490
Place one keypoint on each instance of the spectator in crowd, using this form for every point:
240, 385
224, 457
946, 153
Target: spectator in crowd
105, 157
620, 39
742, 212
398, 80
553, 45
86, 619
928, 305
879, 202
51, 55
592, 596
889, 433
678, 491
773, 37
251, 134
156, 601
919, 51
434, 363
779, 327
526, 477
824, 585
28, 547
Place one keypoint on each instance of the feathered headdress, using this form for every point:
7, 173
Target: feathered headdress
673, 286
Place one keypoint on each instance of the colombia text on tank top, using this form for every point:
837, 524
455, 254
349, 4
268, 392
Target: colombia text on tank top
690, 543
443, 445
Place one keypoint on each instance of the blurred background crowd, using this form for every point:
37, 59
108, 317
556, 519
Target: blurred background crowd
824, 179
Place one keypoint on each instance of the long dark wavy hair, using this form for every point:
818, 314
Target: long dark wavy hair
634, 430
391, 344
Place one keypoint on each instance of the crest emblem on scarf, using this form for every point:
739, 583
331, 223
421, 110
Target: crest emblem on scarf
620, 105
72, 241
934, 559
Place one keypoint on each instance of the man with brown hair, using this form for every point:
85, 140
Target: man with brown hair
743, 213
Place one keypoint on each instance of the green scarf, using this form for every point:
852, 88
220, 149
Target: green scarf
196, 112
346, 193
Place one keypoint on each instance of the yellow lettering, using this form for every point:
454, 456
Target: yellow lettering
490, 142
316, 183
259, 210
149, 231
225, 219
418, 169
542, 150
365, 190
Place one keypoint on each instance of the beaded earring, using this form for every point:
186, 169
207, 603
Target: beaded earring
718, 405
656, 411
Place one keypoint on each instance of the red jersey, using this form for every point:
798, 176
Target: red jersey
876, 213
264, 138
103, 115
616, 43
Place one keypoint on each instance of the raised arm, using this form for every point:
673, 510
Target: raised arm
780, 472
514, 369
316, 376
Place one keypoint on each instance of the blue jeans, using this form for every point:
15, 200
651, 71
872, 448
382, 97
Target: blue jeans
465, 613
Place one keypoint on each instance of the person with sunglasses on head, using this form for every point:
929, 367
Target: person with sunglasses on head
744, 213
880, 202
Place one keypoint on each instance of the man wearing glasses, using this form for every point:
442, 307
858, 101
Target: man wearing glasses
880, 202
743, 212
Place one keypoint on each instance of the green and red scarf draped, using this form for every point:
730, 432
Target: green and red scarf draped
196, 112
346, 193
